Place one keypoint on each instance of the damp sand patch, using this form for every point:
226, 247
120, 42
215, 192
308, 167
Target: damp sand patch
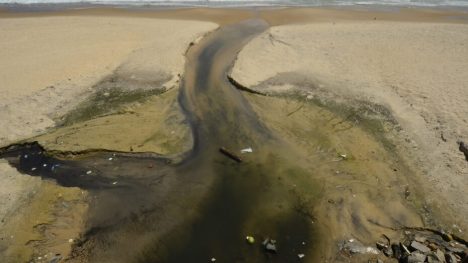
365, 185
45, 226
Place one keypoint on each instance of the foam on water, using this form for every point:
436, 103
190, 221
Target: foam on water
429, 3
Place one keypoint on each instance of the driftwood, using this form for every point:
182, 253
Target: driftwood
230, 154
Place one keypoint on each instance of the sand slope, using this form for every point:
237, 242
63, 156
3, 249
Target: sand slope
418, 70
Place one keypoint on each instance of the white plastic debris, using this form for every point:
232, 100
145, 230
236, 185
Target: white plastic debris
110, 158
44, 165
70, 240
247, 150
114, 183
34, 168
25, 156
89, 172
300, 256
344, 156
213, 259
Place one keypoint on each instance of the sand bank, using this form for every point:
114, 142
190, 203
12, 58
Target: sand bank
417, 70
49, 64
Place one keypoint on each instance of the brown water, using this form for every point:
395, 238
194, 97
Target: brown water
294, 188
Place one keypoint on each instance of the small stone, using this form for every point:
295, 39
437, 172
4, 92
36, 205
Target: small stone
250, 239
420, 239
114, 183
33, 169
44, 165
110, 158
450, 258
89, 172
300, 256
416, 257
213, 259
418, 246
70, 240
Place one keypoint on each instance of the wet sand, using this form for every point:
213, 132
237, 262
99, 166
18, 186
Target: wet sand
296, 187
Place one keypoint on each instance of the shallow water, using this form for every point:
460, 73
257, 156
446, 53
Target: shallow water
296, 187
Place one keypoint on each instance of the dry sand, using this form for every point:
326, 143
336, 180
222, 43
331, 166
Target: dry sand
417, 70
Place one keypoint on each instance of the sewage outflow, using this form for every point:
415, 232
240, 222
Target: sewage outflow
148, 208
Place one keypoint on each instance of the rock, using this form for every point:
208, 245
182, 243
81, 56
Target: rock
418, 246
450, 258
416, 257
250, 239
270, 245
440, 255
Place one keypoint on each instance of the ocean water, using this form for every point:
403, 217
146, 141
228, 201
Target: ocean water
428, 3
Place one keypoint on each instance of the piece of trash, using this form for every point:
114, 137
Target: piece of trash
44, 165
270, 245
213, 259
34, 168
355, 247
230, 154
300, 256
89, 172
70, 240
114, 183
110, 158
344, 156
247, 150
25, 156
250, 239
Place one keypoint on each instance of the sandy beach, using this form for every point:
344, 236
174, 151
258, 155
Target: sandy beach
367, 107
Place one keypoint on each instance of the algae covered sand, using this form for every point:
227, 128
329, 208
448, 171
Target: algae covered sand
123, 121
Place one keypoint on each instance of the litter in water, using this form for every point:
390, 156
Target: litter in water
247, 150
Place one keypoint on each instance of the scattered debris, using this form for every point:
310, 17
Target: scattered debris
44, 165
247, 150
89, 172
230, 154
110, 158
70, 240
270, 245
353, 246
33, 169
114, 183
250, 239
427, 245
343, 156
300, 256
55, 259
213, 259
